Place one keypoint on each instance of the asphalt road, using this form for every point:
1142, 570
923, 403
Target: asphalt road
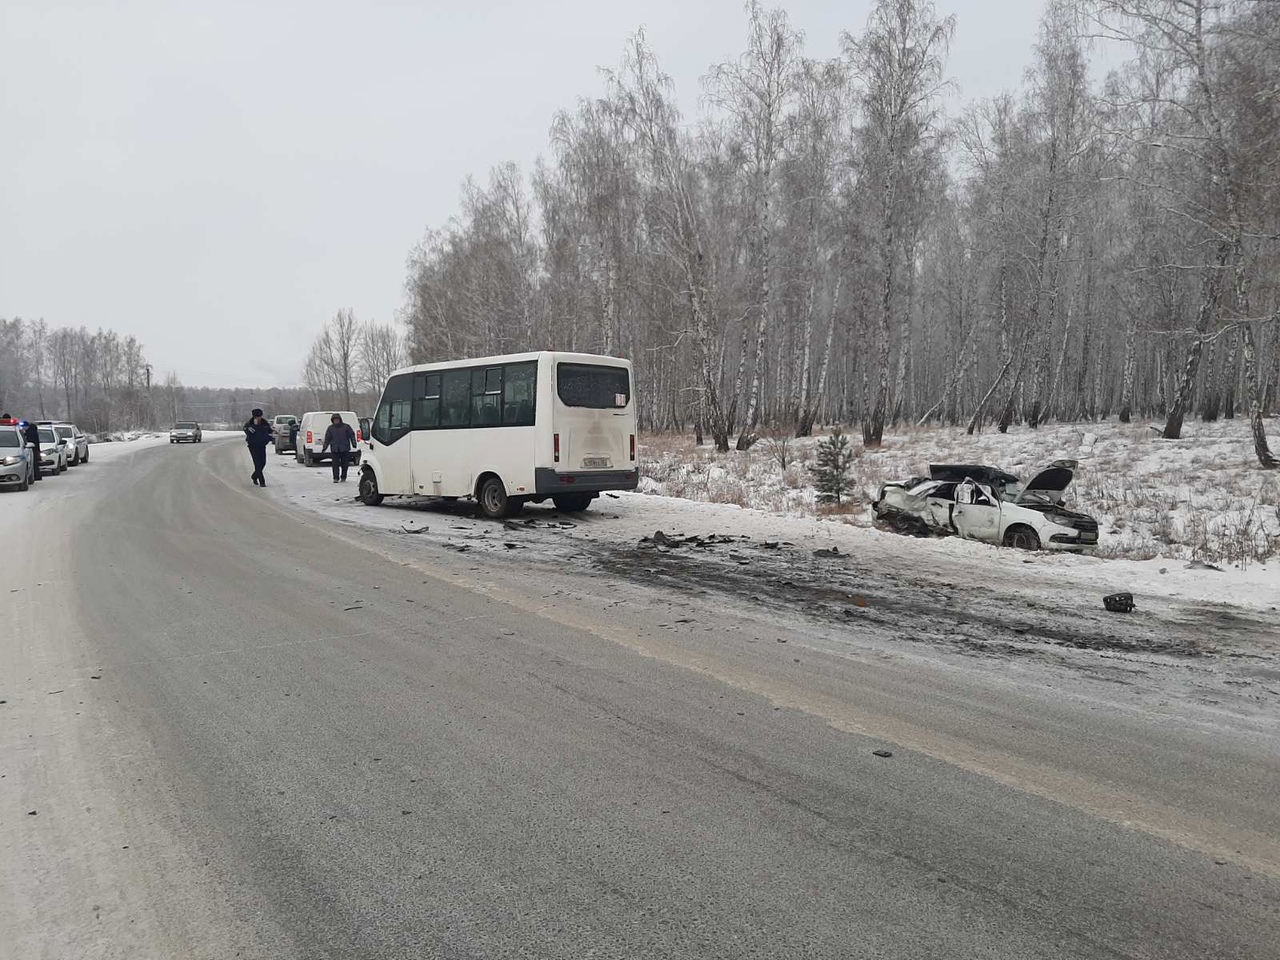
231, 731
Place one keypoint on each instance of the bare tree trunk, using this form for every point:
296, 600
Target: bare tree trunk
809, 412
873, 422
1273, 378
904, 337
747, 437
1256, 425
1230, 377
1210, 295
1130, 361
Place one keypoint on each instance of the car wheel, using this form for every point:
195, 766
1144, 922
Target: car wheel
85, 458
572, 502
1022, 538
307, 459
369, 494
494, 502
26, 482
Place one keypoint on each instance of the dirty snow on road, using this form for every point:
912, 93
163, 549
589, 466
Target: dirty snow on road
1205, 634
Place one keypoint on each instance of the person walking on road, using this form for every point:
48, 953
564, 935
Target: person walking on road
258, 435
31, 433
341, 439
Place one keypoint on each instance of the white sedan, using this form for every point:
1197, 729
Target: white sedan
983, 503
54, 456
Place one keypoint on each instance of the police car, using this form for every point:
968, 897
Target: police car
17, 461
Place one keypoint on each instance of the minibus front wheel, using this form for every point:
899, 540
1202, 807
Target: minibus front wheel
369, 494
494, 502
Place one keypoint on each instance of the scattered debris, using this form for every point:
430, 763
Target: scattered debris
508, 525
833, 552
882, 753
31, 813
356, 607
1119, 602
612, 496
514, 546
1202, 565
414, 529
96, 676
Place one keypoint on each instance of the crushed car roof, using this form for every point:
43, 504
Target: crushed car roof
958, 472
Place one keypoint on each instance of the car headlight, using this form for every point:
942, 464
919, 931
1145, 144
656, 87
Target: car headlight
10, 461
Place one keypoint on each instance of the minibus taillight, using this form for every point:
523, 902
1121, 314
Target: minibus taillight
633, 448
309, 440
556, 447
358, 437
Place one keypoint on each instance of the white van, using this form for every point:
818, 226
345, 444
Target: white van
311, 435
505, 431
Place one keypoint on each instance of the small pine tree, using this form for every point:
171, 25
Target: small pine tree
831, 472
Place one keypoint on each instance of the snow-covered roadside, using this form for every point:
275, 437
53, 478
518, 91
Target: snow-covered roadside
1201, 497
623, 519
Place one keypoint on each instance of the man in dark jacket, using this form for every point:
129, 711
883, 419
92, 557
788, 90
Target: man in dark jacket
32, 435
341, 439
258, 435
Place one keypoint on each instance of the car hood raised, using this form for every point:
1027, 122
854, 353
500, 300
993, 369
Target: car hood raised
1047, 485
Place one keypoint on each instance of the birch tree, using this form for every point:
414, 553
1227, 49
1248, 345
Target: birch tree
899, 62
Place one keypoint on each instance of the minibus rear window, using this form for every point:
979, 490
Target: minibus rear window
593, 385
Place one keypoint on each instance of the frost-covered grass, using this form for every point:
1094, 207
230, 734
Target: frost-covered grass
1201, 497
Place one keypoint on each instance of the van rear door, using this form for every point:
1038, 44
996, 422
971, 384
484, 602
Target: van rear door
594, 416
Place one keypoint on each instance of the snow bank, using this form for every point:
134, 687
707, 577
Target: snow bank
1202, 497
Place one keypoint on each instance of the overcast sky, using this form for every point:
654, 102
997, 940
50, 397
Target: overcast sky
218, 178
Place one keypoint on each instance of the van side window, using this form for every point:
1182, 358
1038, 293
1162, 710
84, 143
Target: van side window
519, 392
426, 401
486, 397
393, 417
455, 398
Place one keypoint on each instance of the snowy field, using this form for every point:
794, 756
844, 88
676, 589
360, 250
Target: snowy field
1199, 498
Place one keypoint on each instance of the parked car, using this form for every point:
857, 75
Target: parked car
985, 503
17, 458
285, 426
77, 441
186, 431
53, 452
311, 435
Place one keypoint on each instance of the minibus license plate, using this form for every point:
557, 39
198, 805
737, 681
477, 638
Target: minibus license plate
590, 463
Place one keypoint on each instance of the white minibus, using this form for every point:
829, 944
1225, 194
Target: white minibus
505, 431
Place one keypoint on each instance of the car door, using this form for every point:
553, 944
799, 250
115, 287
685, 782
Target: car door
392, 437
977, 513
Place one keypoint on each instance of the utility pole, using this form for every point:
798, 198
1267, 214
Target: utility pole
150, 410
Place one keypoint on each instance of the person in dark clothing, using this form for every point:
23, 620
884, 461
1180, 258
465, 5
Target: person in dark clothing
341, 439
258, 435
32, 435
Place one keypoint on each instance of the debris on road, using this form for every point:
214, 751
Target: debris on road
882, 753
414, 529
1119, 602
1202, 565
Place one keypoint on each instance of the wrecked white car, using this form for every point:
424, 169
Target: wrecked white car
985, 503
